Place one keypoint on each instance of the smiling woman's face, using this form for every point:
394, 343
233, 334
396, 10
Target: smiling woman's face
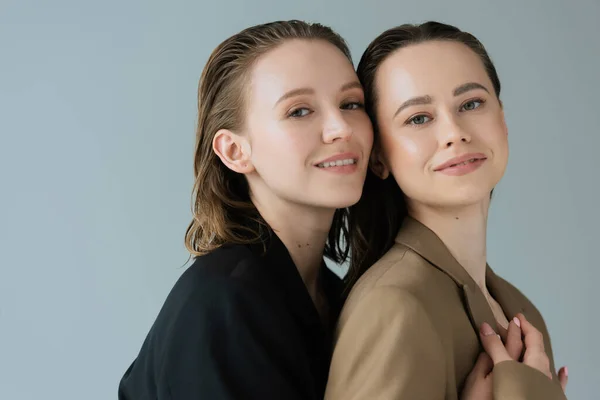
305, 116
442, 129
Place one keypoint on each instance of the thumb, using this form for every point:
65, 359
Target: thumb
563, 377
493, 345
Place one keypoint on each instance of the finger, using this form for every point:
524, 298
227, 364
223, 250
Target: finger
478, 384
493, 344
533, 338
502, 332
482, 368
563, 377
535, 356
514, 341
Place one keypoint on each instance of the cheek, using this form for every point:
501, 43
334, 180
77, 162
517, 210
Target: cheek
405, 154
362, 130
497, 138
278, 148
502, 146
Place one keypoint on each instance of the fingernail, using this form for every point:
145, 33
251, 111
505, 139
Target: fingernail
486, 329
517, 321
566, 372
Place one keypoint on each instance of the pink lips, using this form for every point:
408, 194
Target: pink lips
462, 165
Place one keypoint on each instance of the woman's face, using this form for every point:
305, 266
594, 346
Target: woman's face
442, 129
307, 134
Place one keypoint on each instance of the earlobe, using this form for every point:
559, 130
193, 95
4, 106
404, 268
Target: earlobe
234, 151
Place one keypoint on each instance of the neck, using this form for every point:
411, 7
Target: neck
463, 231
304, 231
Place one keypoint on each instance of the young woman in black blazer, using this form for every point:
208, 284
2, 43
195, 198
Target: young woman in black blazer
282, 149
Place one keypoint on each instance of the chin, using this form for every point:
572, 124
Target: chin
465, 197
341, 198
452, 196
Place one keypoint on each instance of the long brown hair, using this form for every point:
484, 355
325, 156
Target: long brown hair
376, 218
221, 206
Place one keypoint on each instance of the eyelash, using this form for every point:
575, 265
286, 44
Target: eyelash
480, 101
477, 100
357, 106
295, 110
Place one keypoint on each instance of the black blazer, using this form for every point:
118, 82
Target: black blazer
238, 324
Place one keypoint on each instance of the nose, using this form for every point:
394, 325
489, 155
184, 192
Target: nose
451, 132
336, 127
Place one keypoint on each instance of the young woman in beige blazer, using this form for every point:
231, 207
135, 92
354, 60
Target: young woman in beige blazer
415, 323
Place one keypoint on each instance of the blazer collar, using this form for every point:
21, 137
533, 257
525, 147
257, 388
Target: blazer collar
283, 270
423, 241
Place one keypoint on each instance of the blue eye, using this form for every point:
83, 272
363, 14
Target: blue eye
299, 112
418, 120
472, 105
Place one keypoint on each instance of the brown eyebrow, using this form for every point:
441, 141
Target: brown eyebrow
295, 92
306, 91
468, 87
351, 85
415, 101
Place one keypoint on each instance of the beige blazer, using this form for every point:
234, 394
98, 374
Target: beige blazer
409, 329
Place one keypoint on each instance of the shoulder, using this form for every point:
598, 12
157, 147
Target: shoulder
390, 322
227, 290
222, 297
388, 327
227, 277
401, 270
227, 263
217, 319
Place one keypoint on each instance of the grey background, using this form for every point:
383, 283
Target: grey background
97, 108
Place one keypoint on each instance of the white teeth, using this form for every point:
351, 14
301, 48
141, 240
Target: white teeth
465, 162
338, 163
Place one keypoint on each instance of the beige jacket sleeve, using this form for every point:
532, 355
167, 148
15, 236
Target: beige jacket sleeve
513, 380
387, 348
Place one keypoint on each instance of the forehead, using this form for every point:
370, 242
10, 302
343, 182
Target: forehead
300, 63
430, 68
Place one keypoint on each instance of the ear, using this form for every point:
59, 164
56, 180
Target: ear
378, 165
234, 151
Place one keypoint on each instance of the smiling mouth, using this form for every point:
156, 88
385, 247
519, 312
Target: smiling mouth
338, 163
472, 160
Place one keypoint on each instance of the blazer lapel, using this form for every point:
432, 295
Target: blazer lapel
428, 245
